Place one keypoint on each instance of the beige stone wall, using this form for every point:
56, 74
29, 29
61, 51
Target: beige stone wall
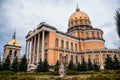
6, 53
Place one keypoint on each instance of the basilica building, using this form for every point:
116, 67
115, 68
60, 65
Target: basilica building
80, 41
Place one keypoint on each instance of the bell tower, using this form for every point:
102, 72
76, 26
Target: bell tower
12, 48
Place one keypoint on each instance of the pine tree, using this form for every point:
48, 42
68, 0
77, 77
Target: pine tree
6, 64
1, 68
23, 64
40, 66
83, 65
57, 66
71, 65
78, 67
46, 66
95, 66
117, 21
108, 63
116, 63
15, 65
90, 66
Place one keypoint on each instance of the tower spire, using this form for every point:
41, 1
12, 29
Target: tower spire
77, 8
14, 35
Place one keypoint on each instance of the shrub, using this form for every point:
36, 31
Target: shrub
104, 77
7, 73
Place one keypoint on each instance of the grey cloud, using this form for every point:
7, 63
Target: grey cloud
25, 15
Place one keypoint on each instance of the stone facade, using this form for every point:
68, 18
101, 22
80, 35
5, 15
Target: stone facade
80, 41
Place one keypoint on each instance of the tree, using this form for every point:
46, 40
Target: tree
15, 65
1, 68
108, 63
40, 66
46, 66
78, 67
57, 66
116, 63
95, 66
83, 65
90, 66
6, 64
71, 65
23, 64
117, 20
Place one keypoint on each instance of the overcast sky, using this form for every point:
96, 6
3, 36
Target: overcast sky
25, 15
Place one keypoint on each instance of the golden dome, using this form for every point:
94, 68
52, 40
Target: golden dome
13, 42
79, 18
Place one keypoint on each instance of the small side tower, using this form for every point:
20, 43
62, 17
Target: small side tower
12, 48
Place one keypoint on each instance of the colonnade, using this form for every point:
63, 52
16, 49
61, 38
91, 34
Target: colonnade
35, 48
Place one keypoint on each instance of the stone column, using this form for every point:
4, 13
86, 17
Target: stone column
85, 57
101, 59
68, 57
38, 47
26, 48
28, 51
93, 57
58, 55
34, 48
43, 42
31, 60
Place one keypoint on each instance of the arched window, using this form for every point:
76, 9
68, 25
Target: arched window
60, 56
72, 58
97, 58
98, 34
10, 53
71, 46
62, 44
76, 47
87, 35
93, 34
103, 57
76, 59
67, 45
66, 59
45, 55
82, 59
56, 42
89, 57
15, 53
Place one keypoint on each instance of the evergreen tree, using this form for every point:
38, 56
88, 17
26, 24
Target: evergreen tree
71, 65
1, 68
23, 64
57, 66
78, 67
6, 64
116, 63
117, 20
46, 66
83, 65
95, 66
90, 66
108, 63
40, 66
74, 67
15, 65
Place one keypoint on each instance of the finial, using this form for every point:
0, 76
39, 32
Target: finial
77, 8
14, 35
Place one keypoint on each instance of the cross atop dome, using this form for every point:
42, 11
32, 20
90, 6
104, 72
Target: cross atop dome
77, 8
14, 35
